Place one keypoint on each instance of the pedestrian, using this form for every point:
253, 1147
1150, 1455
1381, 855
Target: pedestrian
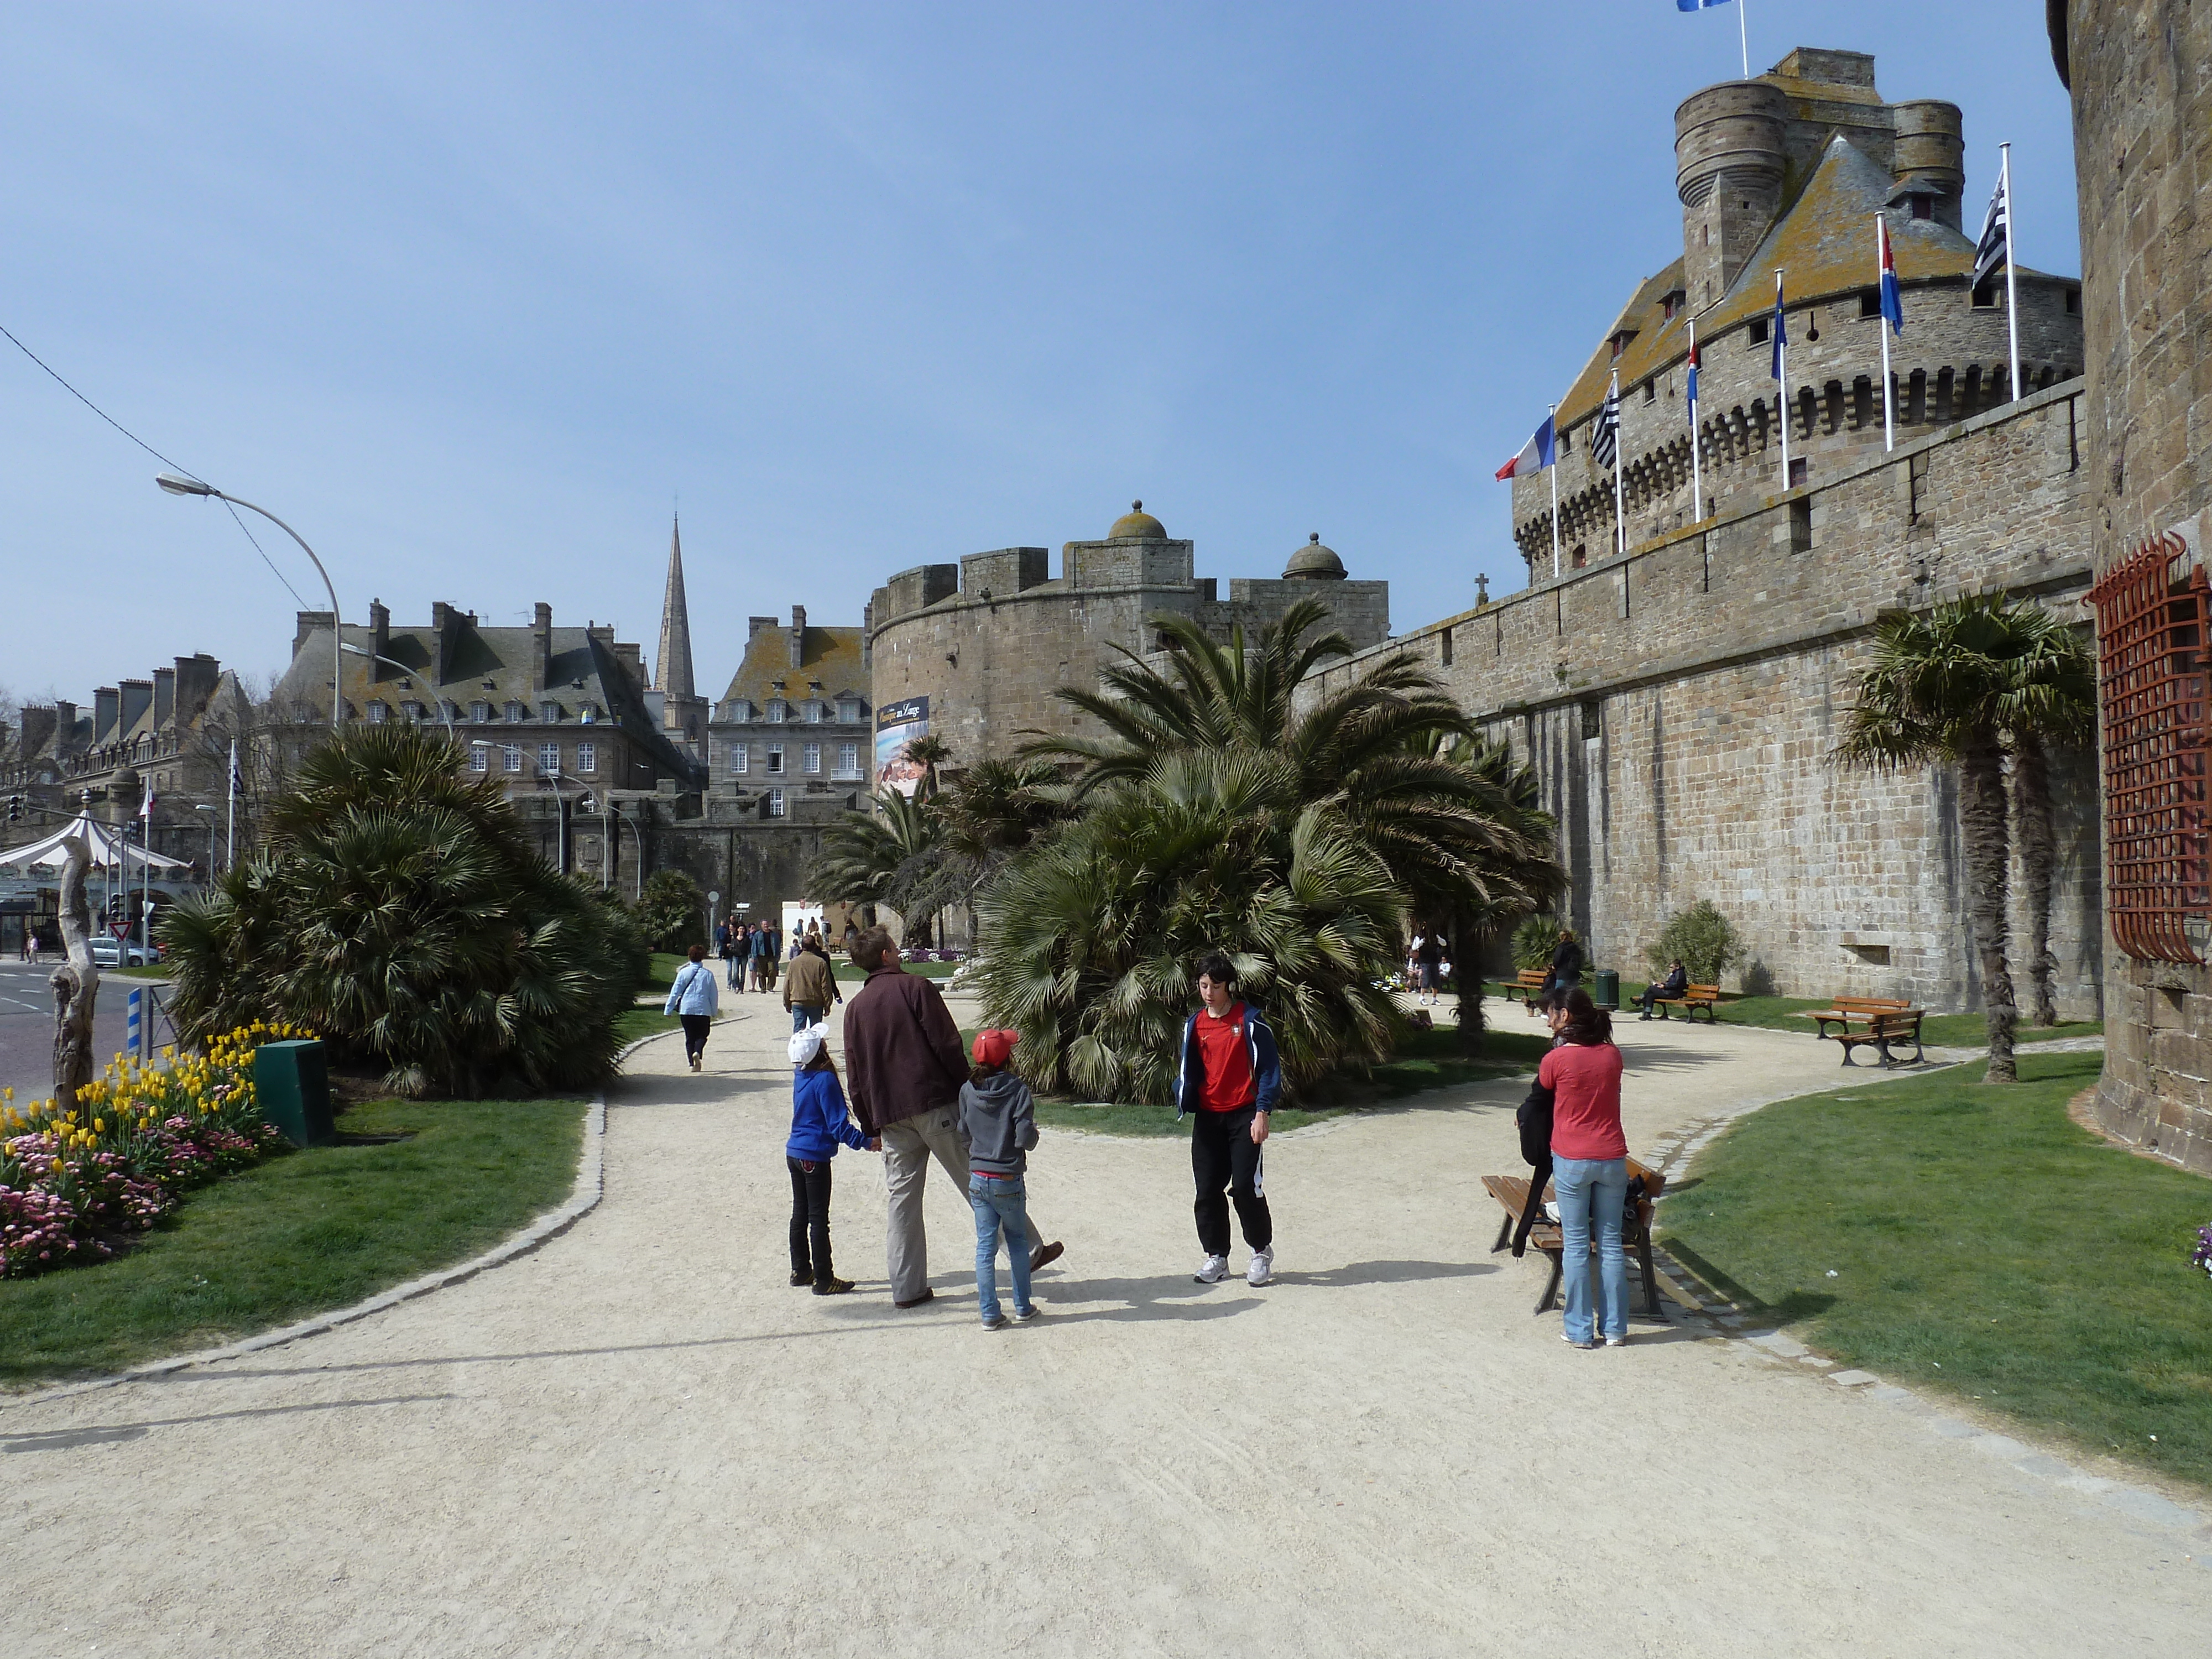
1676, 983
819, 1121
1228, 1080
1589, 1168
772, 958
1566, 969
904, 1054
1431, 959
998, 1119
692, 999
811, 986
757, 957
733, 946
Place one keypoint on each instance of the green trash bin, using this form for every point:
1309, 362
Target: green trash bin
1606, 991
294, 1092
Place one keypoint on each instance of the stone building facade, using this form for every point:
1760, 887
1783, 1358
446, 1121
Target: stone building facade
988, 641
1787, 171
2143, 143
1681, 705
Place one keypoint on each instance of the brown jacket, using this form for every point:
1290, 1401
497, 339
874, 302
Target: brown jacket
810, 983
902, 1052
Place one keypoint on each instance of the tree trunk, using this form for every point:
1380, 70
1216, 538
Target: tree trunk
1466, 945
1989, 856
2039, 858
76, 982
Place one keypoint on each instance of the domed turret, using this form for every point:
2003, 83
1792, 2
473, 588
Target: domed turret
1314, 563
1137, 526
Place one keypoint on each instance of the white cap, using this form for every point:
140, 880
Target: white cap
806, 1043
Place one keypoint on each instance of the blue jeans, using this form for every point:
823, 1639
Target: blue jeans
1585, 1185
802, 1016
1001, 1206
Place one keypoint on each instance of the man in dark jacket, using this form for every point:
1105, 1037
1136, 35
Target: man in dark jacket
1567, 970
1676, 983
904, 1064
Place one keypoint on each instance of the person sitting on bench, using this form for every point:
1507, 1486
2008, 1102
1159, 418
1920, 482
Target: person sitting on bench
1676, 983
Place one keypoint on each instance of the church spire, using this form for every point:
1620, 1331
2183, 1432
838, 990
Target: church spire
672, 669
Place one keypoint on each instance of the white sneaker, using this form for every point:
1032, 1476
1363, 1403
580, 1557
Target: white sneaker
1263, 1266
1215, 1270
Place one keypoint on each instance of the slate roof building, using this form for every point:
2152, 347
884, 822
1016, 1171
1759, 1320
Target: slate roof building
790, 735
1787, 170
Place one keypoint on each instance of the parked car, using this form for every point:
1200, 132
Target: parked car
115, 953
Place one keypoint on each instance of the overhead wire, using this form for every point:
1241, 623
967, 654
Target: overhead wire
174, 466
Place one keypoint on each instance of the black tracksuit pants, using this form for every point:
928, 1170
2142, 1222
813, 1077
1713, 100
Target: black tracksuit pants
810, 1218
1222, 1155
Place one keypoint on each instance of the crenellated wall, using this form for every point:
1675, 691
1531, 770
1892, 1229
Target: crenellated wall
1681, 705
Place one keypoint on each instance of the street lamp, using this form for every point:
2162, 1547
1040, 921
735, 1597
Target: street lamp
363, 651
209, 810
178, 485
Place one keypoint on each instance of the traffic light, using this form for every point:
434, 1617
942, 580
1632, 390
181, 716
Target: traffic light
15, 809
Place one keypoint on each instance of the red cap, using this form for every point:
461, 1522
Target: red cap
994, 1048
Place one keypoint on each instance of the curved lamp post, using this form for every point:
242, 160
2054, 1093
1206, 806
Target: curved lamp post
179, 485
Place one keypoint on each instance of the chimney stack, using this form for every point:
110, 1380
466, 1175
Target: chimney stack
797, 635
64, 726
165, 697
107, 706
447, 624
304, 624
379, 628
37, 728
541, 646
197, 678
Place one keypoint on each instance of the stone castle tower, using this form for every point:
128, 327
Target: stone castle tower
1787, 170
684, 711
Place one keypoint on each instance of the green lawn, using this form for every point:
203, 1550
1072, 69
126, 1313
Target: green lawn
644, 1023
1785, 1014
1981, 1243
305, 1232
667, 964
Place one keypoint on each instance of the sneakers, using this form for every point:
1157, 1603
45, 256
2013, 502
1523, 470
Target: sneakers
1044, 1254
1026, 1318
1263, 1266
834, 1287
1616, 1342
797, 1278
1572, 1343
997, 1324
1215, 1270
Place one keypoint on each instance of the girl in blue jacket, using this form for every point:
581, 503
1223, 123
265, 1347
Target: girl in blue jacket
819, 1121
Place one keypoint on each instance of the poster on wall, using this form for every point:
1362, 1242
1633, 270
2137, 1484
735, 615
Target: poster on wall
898, 723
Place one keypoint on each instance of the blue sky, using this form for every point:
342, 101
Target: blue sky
471, 293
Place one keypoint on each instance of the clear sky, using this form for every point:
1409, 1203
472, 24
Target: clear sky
471, 293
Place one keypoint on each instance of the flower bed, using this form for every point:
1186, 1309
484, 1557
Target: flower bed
138, 1140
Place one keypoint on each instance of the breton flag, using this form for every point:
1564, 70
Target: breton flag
1996, 246
1604, 442
1535, 455
1893, 301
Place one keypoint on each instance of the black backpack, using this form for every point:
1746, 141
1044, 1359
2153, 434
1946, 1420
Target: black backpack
1535, 1117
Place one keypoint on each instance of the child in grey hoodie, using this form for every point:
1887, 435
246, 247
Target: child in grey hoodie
999, 1122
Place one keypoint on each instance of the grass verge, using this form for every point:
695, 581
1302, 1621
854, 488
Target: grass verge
637, 1022
1787, 1014
303, 1233
1981, 1243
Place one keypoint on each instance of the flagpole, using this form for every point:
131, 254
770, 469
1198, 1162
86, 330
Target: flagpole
1743, 35
1782, 362
2011, 244
1620, 513
1554, 470
1881, 280
1697, 472
230, 823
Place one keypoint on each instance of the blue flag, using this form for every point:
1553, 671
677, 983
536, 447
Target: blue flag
1780, 330
1697, 5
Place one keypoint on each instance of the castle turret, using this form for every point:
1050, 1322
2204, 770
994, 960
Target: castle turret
1929, 159
1730, 154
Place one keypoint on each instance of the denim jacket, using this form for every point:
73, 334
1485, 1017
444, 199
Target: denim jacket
694, 991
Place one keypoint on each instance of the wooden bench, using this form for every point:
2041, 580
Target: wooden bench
1693, 998
1844, 1012
1900, 1025
1529, 986
1511, 1193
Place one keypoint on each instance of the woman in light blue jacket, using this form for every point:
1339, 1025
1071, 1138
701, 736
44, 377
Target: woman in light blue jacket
693, 999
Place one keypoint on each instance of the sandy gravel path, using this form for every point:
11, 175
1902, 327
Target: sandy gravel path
641, 1440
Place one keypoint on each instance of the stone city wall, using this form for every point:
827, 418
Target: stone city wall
1680, 704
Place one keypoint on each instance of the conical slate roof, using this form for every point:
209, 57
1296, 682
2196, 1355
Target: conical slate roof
672, 667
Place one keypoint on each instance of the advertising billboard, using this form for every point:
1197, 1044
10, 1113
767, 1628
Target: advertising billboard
898, 723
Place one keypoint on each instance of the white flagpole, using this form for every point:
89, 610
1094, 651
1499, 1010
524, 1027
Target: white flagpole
1781, 361
1620, 514
230, 823
1881, 286
2012, 308
1697, 472
1554, 470
1743, 35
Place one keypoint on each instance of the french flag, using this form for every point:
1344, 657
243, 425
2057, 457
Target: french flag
1893, 301
1535, 455
1694, 375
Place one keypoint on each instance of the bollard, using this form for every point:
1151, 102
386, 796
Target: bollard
294, 1091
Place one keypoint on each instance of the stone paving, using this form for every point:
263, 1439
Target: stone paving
641, 1439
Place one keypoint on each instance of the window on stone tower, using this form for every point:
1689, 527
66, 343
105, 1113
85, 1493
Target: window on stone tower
1652, 392
1985, 297
1869, 302
2073, 303
1754, 331
1923, 207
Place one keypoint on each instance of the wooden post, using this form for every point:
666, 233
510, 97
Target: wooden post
76, 982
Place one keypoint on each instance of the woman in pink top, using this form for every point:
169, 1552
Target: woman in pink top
1589, 1167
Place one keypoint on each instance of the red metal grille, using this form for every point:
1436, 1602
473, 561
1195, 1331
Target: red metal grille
2155, 686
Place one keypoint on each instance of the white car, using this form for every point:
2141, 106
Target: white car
114, 953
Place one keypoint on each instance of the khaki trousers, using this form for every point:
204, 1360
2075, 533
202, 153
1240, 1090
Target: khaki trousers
909, 1146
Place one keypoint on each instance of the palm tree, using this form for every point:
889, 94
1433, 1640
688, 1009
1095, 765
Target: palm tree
890, 857
1517, 877
2053, 704
1946, 687
929, 754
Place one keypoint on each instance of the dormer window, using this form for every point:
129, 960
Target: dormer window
377, 714
1923, 207
1619, 342
1670, 303
778, 711
412, 712
480, 711
588, 713
548, 712
848, 711
516, 713
816, 711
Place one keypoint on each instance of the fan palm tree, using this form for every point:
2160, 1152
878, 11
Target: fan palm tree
890, 857
928, 753
1946, 687
2052, 705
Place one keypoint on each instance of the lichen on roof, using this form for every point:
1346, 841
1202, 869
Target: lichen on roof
830, 655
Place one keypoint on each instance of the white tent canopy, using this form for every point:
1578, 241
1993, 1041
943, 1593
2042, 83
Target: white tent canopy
102, 844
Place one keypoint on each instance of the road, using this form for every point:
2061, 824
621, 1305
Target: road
27, 1025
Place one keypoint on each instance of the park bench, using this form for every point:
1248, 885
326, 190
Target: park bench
1529, 986
1511, 1193
1899, 1025
1693, 998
